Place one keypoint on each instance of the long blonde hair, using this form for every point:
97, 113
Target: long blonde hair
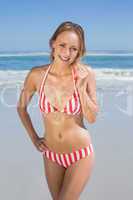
69, 26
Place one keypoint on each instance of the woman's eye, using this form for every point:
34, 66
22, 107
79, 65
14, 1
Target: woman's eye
62, 45
74, 49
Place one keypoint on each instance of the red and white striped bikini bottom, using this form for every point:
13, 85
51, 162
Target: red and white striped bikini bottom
67, 159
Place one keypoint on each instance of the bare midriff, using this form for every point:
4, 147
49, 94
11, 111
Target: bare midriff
65, 133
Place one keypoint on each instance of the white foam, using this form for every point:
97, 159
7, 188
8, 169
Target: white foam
12, 77
104, 77
48, 53
109, 54
120, 74
24, 54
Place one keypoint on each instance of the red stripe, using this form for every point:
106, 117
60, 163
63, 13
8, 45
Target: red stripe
65, 160
70, 159
75, 157
60, 159
40, 101
80, 153
79, 109
70, 106
86, 153
42, 83
50, 157
41, 86
43, 103
55, 156
75, 100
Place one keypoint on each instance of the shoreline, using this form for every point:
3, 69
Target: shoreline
88, 53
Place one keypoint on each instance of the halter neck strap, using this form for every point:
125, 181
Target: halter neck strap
46, 73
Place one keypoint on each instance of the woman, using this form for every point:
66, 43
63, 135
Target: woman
67, 93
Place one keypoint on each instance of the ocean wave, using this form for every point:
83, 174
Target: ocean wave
24, 54
109, 54
107, 77
114, 73
12, 77
21, 54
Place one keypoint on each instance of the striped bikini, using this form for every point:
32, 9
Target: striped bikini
72, 107
67, 159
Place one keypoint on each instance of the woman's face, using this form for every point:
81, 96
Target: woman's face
66, 47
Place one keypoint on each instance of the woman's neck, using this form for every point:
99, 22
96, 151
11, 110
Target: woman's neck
60, 69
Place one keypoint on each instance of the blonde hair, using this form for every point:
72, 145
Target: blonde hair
69, 26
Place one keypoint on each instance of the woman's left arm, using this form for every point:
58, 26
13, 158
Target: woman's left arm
90, 96
90, 107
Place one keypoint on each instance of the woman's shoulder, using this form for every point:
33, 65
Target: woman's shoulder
35, 75
38, 70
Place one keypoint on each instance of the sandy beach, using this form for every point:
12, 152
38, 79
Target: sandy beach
22, 171
97, 34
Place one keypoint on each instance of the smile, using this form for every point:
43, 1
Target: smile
64, 59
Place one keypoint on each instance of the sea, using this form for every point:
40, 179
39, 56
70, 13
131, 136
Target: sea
113, 68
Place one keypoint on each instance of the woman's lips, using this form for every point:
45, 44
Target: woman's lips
64, 59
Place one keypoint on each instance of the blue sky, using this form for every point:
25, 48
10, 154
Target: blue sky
28, 25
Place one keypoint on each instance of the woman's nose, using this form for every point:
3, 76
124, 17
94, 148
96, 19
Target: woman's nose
66, 52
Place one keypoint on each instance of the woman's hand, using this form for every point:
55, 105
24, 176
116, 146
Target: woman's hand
86, 86
81, 85
40, 144
82, 77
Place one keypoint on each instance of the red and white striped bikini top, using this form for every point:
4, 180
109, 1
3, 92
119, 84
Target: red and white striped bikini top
72, 106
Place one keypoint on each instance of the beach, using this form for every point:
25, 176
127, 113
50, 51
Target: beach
22, 171
97, 34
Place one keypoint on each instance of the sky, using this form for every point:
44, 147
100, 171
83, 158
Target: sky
28, 25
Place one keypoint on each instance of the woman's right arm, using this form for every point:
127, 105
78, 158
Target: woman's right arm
27, 92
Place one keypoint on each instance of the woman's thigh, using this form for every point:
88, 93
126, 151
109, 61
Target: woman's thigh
76, 177
54, 176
